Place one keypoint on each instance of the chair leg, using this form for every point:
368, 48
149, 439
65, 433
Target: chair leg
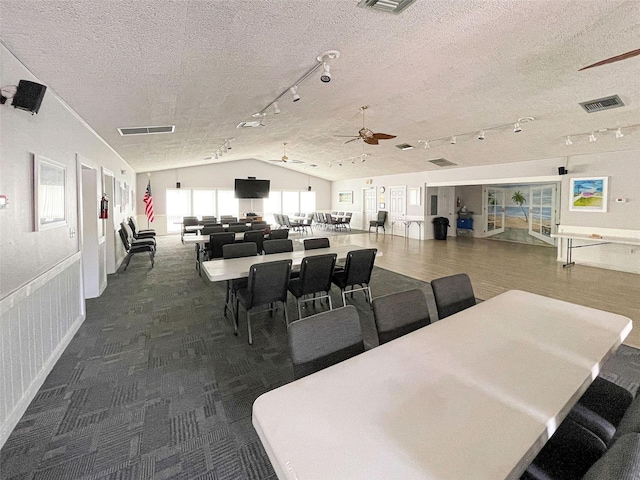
329, 297
235, 317
286, 314
127, 260
344, 298
153, 259
249, 327
299, 308
368, 297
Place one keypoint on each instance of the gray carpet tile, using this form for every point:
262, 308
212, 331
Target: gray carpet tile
155, 385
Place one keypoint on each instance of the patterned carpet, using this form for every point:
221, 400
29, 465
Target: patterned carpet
156, 386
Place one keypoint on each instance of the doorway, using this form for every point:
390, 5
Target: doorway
369, 210
90, 241
110, 232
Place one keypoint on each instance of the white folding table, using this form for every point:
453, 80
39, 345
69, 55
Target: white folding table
473, 396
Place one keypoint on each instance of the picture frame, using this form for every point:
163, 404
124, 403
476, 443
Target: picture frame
49, 193
345, 197
414, 196
588, 194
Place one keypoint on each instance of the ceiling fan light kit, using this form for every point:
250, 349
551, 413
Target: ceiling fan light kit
366, 135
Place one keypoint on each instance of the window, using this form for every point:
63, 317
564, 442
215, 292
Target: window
227, 203
272, 205
291, 202
178, 206
204, 202
307, 202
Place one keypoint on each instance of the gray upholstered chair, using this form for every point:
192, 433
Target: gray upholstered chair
140, 233
188, 222
620, 462
255, 236
136, 241
453, 294
216, 242
314, 279
400, 313
133, 249
266, 285
313, 243
379, 222
236, 250
357, 271
282, 233
209, 229
324, 339
281, 245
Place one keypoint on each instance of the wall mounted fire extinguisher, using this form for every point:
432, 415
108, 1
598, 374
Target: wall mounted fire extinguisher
104, 206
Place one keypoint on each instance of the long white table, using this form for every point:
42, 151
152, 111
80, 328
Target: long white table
474, 396
229, 269
407, 220
594, 239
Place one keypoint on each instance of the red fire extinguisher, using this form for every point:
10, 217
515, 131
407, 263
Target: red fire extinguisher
104, 206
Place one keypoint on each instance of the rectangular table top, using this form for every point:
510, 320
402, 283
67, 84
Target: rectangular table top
473, 396
205, 238
598, 238
229, 269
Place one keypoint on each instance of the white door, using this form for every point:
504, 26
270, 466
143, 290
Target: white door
446, 207
397, 202
542, 212
369, 210
493, 207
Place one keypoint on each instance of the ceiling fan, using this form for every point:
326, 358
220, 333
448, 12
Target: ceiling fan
367, 135
284, 158
617, 58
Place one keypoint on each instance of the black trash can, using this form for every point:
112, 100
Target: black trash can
440, 225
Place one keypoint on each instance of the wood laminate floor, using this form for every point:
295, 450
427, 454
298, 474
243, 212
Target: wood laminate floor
495, 267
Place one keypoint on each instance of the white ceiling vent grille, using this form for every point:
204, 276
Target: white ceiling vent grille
126, 131
442, 162
388, 6
600, 104
404, 146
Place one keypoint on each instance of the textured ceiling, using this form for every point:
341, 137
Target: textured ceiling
438, 69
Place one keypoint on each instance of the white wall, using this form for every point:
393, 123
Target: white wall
222, 175
622, 169
41, 297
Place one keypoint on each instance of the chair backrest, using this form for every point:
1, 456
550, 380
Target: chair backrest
209, 219
382, 216
313, 243
453, 294
324, 339
280, 233
237, 228
400, 313
258, 225
186, 221
280, 245
228, 219
209, 229
238, 250
125, 240
255, 236
132, 225
359, 266
316, 272
268, 282
217, 240
285, 221
127, 231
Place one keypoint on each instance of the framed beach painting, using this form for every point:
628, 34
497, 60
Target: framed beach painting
50, 193
588, 194
345, 197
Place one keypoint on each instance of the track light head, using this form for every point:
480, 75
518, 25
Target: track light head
276, 109
517, 128
294, 93
326, 74
619, 133
592, 138
568, 142
453, 140
481, 136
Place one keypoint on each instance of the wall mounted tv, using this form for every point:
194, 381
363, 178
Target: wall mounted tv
251, 188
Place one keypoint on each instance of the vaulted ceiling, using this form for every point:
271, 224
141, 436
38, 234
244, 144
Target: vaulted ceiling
440, 68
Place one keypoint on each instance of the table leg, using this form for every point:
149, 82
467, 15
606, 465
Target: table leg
569, 261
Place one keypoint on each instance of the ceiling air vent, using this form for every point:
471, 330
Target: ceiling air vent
404, 146
602, 104
250, 124
146, 130
442, 162
388, 6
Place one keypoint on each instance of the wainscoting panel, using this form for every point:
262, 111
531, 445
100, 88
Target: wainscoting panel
102, 263
37, 322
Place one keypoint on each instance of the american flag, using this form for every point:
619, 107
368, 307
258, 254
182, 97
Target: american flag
148, 202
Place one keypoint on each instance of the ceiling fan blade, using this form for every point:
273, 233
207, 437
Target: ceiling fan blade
352, 140
295, 161
275, 160
348, 136
371, 141
383, 136
617, 58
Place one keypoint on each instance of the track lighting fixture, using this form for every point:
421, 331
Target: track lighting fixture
481, 136
222, 148
326, 75
619, 133
215, 155
517, 128
352, 160
592, 138
568, 141
294, 93
453, 140
276, 109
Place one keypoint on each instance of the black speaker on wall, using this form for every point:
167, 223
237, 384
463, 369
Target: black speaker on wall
562, 171
29, 96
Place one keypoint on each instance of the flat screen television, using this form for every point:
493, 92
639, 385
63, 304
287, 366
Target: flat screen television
250, 188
